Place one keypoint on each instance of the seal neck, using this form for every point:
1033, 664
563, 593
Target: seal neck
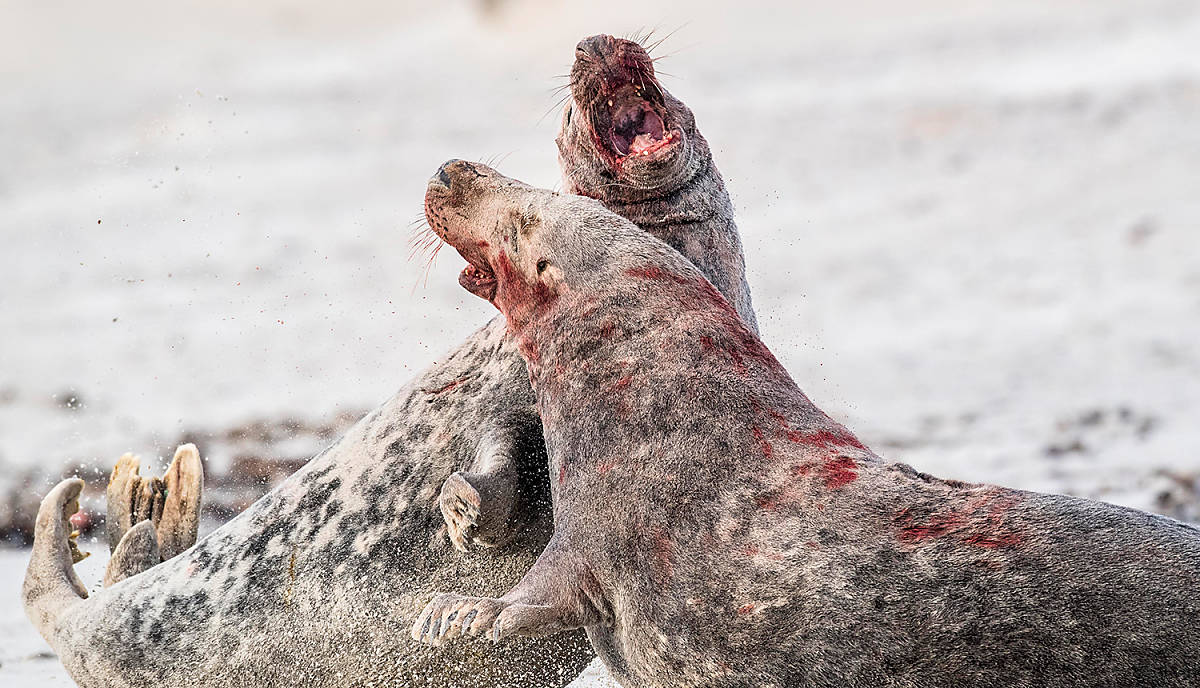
695, 217
653, 377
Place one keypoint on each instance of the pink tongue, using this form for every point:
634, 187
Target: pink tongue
642, 142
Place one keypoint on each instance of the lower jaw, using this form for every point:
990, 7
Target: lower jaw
483, 289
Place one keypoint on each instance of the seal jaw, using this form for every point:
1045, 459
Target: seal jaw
613, 82
632, 126
479, 281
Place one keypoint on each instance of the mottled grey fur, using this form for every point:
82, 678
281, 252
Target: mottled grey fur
317, 583
714, 528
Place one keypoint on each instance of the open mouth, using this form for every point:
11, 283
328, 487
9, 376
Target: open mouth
635, 127
479, 281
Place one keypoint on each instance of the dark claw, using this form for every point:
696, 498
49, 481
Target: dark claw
447, 626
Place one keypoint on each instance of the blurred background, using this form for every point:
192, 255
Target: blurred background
972, 228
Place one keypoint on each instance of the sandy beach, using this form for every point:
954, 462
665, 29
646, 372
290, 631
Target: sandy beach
971, 229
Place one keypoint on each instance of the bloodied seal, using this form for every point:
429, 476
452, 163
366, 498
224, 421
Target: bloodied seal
626, 141
317, 583
714, 528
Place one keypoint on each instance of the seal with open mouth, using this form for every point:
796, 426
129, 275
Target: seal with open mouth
627, 142
317, 583
712, 527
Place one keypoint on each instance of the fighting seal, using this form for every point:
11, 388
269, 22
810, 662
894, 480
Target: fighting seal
626, 141
714, 528
316, 583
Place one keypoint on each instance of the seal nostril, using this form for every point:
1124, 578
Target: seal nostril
592, 46
443, 175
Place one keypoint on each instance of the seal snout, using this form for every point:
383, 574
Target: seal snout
442, 175
450, 204
594, 46
456, 175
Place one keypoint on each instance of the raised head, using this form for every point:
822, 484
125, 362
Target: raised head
527, 248
623, 136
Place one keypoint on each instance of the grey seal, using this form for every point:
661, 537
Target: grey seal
316, 583
712, 527
626, 141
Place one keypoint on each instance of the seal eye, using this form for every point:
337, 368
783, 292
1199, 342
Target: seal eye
569, 108
542, 265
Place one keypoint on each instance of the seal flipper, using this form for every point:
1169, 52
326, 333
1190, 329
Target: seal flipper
137, 552
478, 506
558, 594
51, 584
184, 483
170, 503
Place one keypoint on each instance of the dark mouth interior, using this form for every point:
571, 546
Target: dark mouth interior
634, 124
475, 276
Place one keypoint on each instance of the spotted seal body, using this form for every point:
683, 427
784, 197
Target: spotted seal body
714, 528
309, 586
317, 583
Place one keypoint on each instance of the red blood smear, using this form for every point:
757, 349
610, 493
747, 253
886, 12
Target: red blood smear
840, 471
664, 553
449, 386
767, 450
746, 609
826, 438
979, 524
516, 297
699, 294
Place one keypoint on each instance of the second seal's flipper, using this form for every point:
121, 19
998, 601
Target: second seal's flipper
184, 481
137, 552
478, 506
170, 503
130, 499
51, 584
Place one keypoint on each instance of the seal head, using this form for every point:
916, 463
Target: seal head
528, 257
622, 131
